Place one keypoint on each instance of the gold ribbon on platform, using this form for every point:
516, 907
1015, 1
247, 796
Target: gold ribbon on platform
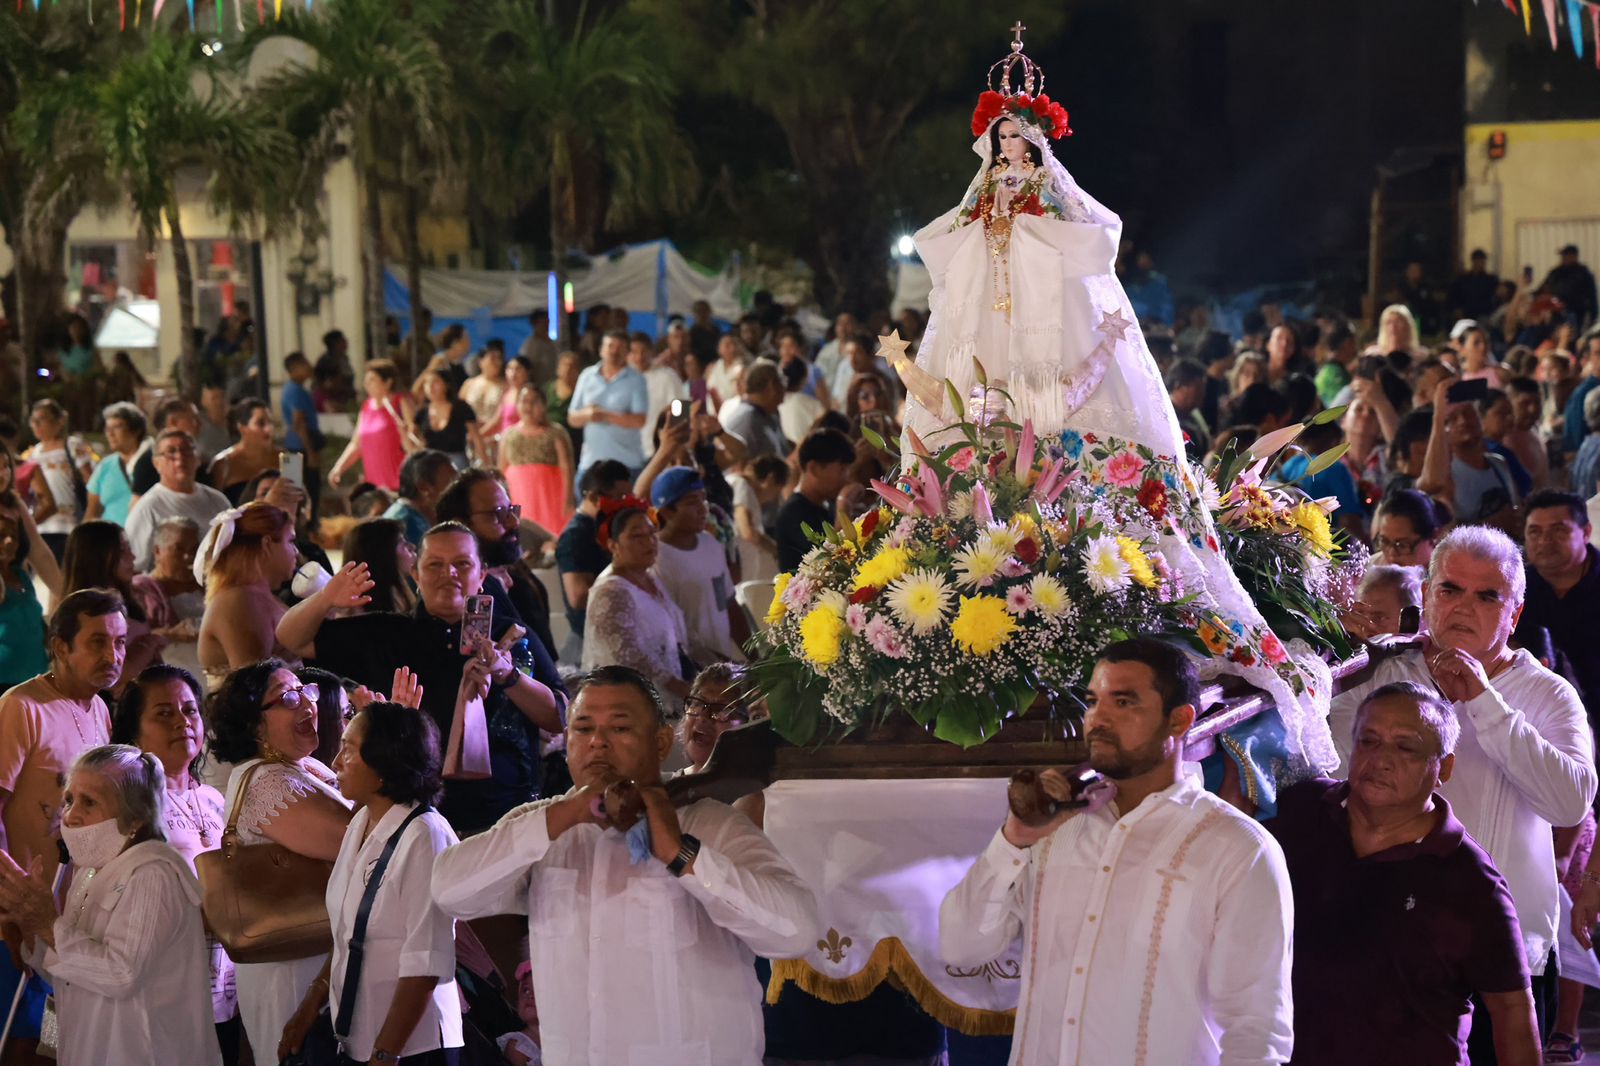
889, 960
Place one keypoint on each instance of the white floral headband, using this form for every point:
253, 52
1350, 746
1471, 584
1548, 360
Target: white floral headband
217, 538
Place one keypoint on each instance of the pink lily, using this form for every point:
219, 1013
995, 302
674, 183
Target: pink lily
932, 492
982, 509
894, 497
1047, 480
1025, 451
917, 446
1057, 489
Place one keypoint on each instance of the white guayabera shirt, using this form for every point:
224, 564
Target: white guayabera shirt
1161, 937
1524, 763
631, 965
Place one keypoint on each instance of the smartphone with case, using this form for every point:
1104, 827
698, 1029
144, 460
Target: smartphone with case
475, 627
1473, 391
292, 465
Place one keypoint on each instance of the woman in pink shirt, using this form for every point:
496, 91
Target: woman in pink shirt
378, 442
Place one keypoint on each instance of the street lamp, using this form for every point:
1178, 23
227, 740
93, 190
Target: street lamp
311, 283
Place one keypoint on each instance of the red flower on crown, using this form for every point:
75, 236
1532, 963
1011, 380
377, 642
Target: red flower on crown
1040, 110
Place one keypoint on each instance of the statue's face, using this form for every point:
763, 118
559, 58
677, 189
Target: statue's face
1013, 146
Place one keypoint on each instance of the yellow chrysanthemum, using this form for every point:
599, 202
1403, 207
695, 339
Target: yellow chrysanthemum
776, 609
1049, 595
821, 632
919, 600
978, 564
882, 568
1138, 562
982, 625
1001, 539
1313, 525
1026, 526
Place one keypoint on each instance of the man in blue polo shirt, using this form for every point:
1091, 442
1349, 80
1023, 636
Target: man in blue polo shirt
301, 433
609, 404
1401, 919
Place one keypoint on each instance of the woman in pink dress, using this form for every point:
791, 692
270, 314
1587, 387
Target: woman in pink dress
519, 372
377, 442
536, 457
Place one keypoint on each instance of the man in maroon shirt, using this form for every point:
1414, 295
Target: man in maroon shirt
1400, 917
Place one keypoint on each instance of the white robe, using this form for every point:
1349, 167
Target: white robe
1155, 939
131, 975
632, 966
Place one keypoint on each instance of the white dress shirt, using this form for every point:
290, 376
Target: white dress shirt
632, 966
131, 976
663, 385
1525, 762
407, 935
1156, 939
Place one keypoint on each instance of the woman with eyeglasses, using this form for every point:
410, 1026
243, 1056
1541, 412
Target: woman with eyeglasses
159, 713
266, 721
1408, 525
719, 700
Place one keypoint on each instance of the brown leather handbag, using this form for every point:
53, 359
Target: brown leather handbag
264, 902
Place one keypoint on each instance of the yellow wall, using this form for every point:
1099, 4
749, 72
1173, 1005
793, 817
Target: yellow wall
1551, 171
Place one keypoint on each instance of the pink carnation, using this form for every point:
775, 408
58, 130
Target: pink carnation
1019, 601
961, 461
885, 639
799, 593
1124, 470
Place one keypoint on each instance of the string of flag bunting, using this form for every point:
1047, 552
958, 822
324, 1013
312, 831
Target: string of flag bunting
1573, 12
157, 5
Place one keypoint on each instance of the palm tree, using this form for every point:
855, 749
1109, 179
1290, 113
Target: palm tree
166, 108
842, 80
377, 79
49, 166
581, 110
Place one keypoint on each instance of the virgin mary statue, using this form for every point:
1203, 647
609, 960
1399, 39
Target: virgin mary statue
1023, 282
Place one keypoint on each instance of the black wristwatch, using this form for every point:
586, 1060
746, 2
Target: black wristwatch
686, 853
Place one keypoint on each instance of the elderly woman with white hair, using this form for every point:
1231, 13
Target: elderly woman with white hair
126, 952
1525, 762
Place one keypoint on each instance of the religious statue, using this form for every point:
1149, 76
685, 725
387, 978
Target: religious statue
1025, 297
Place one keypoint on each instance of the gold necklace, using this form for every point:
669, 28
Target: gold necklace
196, 814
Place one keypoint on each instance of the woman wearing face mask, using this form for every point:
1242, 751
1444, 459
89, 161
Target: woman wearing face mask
126, 953
160, 714
265, 720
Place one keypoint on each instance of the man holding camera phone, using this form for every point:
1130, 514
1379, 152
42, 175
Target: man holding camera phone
1156, 919
1482, 486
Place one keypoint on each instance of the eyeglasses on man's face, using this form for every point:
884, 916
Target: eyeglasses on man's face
728, 712
511, 512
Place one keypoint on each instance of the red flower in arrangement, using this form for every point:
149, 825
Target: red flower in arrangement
991, 105
869, 523
1028, 550
997, 463
1040, 110
866, 595
1153, 497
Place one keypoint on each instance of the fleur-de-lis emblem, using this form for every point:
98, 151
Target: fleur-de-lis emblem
834, 946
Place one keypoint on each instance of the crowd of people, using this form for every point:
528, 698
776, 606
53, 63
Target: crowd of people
443, 682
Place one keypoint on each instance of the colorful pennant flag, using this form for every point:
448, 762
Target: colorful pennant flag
1527, 17
1594, 21
1575, 26
1550, 22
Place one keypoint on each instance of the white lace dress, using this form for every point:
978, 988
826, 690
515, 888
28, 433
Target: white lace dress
269, 992
627, 626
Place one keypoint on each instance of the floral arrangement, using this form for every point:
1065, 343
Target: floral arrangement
1040, 110
994, 571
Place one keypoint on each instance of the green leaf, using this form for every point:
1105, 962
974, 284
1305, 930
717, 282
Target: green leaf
1329, 415
794, 716
874, 438
977, 369
959, 723
1325, 460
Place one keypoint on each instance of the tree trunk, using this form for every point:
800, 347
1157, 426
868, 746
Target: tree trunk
40, 268
413, 251
183, 276
852, 243
372, 261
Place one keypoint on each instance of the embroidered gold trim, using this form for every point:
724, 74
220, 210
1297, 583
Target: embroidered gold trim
890, 961
1168, 877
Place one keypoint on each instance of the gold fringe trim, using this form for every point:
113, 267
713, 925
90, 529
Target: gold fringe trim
890, 959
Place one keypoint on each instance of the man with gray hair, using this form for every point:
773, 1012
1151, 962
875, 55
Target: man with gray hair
1525, 761
1400, 917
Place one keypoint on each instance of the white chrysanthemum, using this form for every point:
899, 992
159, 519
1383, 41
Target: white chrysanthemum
959, 506
1104, 566
1210, 495
1003, 538
1049, 595
919, 600
976, 566
834, 600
